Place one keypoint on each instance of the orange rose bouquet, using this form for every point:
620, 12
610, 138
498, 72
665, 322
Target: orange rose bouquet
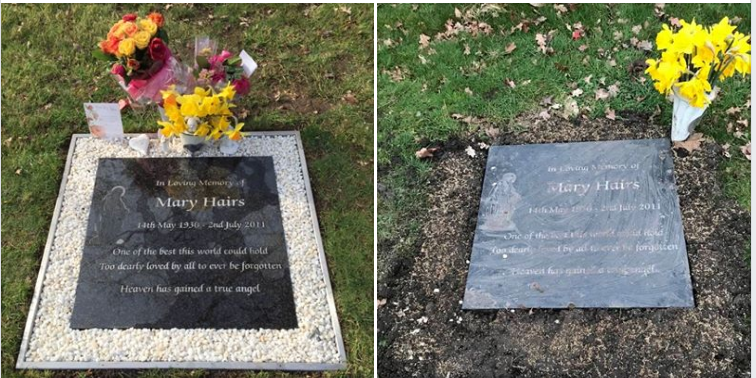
141, 61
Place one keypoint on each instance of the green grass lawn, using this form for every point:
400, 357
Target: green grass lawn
421, 87
310, 57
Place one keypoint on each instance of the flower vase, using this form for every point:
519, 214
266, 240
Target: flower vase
192, 143
685, 116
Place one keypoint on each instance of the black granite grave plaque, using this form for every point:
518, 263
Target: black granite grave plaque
593, 224
185, 243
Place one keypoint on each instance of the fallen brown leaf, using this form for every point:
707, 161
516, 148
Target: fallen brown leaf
733, 110
609, 114
571, 108
424, 40
746, 150
349, 97
544, 115
396, 74
470, 151
659, 10
541, 41
470, 120
614, 89
602, 94
492, 132
425, 152
510, 47
692, 143
645, 45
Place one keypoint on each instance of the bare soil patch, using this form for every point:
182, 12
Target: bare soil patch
423, 332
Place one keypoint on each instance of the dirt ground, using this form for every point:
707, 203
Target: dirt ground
424, 333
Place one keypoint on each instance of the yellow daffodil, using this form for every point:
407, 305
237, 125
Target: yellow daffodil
664, 73
216, 133
203, 129
740, 44
228, 92
235, 133
199, 91
695, 89
720, 34
221, 123
170, 129
742, 64
705, 55
665, 38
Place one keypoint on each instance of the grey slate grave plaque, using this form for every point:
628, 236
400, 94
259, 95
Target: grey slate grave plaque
185, 243
593, 224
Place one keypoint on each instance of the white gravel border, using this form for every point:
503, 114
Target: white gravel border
316, 345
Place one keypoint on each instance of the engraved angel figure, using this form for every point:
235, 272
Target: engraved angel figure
109, 217
501, 204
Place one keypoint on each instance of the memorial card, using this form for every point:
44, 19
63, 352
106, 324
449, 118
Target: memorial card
594, 224
104, 120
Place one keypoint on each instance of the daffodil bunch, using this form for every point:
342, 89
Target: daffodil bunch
695, 58
202, 113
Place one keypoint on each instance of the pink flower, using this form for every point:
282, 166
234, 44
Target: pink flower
241, 86
218, 75
217, 60
118, 70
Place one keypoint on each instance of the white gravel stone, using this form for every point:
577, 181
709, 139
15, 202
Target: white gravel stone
313, 342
